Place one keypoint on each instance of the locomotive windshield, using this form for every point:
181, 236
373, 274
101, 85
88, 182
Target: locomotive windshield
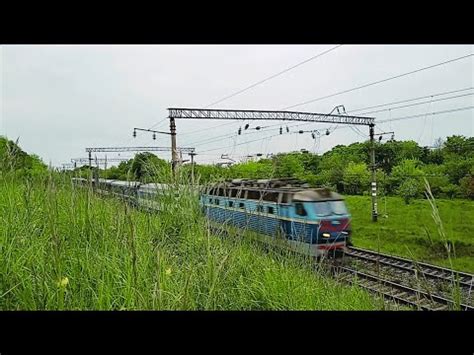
326, 208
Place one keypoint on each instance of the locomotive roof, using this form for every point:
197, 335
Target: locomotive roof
299, 191
316, 194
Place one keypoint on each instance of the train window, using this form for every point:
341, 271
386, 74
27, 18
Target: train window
216, 201
300, 211
270, 209
338, 207
259, 208
253, 195
322, 208
271, 196
231, 203
210, 200
242, 205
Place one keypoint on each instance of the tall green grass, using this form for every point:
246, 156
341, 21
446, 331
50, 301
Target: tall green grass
421, 230
64, 247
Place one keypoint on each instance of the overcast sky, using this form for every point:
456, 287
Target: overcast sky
60, 99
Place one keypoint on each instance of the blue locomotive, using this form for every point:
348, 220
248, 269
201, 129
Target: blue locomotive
309, 221
306, 220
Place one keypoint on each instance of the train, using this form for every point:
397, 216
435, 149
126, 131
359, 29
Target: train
311, 221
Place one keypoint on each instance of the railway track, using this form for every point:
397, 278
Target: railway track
397, 292
408, 282
401, 292
415, 268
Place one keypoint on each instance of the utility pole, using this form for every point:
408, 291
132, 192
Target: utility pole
192, 154
374, 182
174, 152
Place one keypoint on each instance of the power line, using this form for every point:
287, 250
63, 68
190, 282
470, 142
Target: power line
388, 120
418, 103
274, 76
379, 81
431, 113
260, 82
413, 99
368, 107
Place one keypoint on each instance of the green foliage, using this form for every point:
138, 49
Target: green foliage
409, 189
343, 168
65, 248
410, 231
288, 165
356, 178
13, 158
451, 190
407, 169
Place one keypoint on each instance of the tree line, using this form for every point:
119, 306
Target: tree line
401, 167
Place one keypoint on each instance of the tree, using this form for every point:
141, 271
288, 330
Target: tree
467, 186
147, 165
409, 189
407, 169
356, 178
288, 165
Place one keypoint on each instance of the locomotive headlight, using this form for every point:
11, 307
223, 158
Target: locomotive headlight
326, 235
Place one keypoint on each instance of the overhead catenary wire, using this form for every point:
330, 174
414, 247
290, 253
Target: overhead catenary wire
273, 76
431, 113
379, 81
412, 99
211, 140
258, 83
418, 103
382, 121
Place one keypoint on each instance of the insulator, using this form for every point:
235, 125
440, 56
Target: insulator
327, 132
313, 135
154, 136
300, 131
134, 134
380, 138
281, 130
259, 154
240, 131
258, 128
393, 137
247, 126
287, 129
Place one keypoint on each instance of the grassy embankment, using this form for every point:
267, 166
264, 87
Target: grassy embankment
65, 248
410, 230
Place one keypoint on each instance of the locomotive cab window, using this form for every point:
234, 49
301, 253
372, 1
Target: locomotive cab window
300, 211
231, 203
216, 201
241, 205
270, 209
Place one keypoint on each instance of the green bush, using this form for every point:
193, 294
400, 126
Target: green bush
409, 189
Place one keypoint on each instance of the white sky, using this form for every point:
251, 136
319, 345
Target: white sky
60, 99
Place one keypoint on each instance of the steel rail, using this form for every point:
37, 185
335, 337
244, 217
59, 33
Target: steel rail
428, 270
422, 300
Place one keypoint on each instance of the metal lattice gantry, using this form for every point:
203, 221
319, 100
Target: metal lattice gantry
137, 149
225, 114
174, 150
99, 160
